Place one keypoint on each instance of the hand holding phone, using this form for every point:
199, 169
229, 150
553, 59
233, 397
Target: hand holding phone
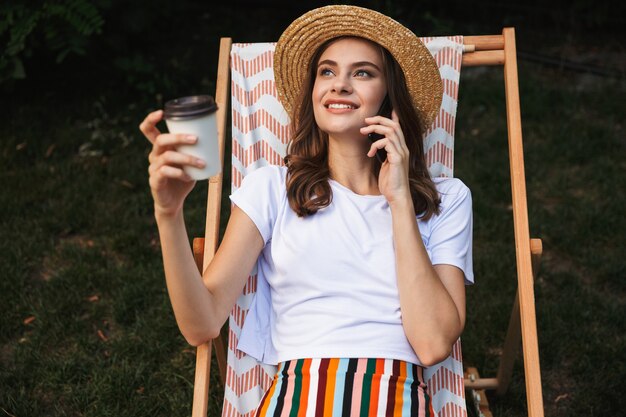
385, 111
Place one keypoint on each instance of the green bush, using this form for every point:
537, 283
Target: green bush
61, 27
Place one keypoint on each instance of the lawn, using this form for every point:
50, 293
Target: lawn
87, 328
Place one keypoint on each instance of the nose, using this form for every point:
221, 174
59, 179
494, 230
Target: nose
341, 85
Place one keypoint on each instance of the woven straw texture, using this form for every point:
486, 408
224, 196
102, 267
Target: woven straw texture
306, 34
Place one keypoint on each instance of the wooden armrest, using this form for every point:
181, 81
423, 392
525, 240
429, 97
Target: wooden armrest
198, 252
536, 250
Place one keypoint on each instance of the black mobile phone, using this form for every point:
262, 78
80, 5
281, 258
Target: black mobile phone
385, 111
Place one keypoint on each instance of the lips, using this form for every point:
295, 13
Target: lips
340, 104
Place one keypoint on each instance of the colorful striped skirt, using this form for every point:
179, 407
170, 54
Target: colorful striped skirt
346, 387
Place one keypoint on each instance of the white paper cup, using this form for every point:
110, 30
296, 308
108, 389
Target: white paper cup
195, 115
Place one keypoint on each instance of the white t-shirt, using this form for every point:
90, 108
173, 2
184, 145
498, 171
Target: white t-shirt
327, 284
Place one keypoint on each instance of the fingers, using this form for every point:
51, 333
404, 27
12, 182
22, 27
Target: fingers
389, 147
396, 120
159, 178
148, 125
175, 159
394, 116
382, 125
165, 161
167, 141
390, 141
390, 128
170, 166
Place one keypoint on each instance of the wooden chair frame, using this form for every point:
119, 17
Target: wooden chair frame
487, 50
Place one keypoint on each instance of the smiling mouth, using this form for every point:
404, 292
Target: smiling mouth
340, 106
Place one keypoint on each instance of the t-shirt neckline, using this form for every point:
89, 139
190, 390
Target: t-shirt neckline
349, 191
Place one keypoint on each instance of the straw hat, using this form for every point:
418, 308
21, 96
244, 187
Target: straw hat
306, 34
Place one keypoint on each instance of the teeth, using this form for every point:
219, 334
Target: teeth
340, 106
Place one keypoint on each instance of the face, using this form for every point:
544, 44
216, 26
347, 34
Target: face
349, 86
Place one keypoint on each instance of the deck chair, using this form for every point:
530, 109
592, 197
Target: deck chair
259, 137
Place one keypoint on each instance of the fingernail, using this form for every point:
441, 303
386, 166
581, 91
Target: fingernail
191, 139
200, 162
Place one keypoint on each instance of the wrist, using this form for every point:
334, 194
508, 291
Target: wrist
162, 215
404, 203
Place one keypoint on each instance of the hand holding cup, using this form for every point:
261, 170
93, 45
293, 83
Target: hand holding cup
174, 166
195, 115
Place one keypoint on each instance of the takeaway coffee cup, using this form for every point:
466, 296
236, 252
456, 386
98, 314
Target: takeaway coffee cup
195, 115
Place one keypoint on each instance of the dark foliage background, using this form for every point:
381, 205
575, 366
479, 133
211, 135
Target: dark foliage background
163, 47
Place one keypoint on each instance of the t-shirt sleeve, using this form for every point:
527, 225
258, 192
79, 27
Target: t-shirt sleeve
450, 239
259, 196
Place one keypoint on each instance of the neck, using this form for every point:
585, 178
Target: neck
350, 166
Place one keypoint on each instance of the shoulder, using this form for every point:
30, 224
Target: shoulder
261, 196
455, 196
265, 183
268, 174
269, 171
451, 191
450, 187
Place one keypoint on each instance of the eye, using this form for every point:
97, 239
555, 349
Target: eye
362, 73
325, 71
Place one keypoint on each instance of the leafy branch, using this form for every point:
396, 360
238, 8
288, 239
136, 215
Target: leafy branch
63, 27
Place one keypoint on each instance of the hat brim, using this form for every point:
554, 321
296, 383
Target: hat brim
299, 42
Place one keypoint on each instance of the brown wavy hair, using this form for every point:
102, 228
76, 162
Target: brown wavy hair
308, 189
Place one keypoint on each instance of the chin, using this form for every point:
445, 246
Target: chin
343, 132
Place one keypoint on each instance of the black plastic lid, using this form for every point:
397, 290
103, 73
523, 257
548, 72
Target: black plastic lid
189, 107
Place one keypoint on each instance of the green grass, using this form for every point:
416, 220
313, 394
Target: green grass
574, 152
77, 223
80, 255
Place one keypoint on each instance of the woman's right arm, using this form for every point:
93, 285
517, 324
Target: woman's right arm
200, 306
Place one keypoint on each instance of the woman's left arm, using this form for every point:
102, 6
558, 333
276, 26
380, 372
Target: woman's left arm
432, 298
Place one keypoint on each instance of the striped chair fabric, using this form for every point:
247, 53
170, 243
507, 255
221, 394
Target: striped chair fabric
260, 130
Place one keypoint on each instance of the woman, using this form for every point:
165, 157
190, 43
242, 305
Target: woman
365, 262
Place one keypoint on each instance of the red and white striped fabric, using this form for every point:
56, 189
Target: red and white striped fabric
260, 129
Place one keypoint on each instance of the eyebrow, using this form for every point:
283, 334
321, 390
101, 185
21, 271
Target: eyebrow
353, 65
